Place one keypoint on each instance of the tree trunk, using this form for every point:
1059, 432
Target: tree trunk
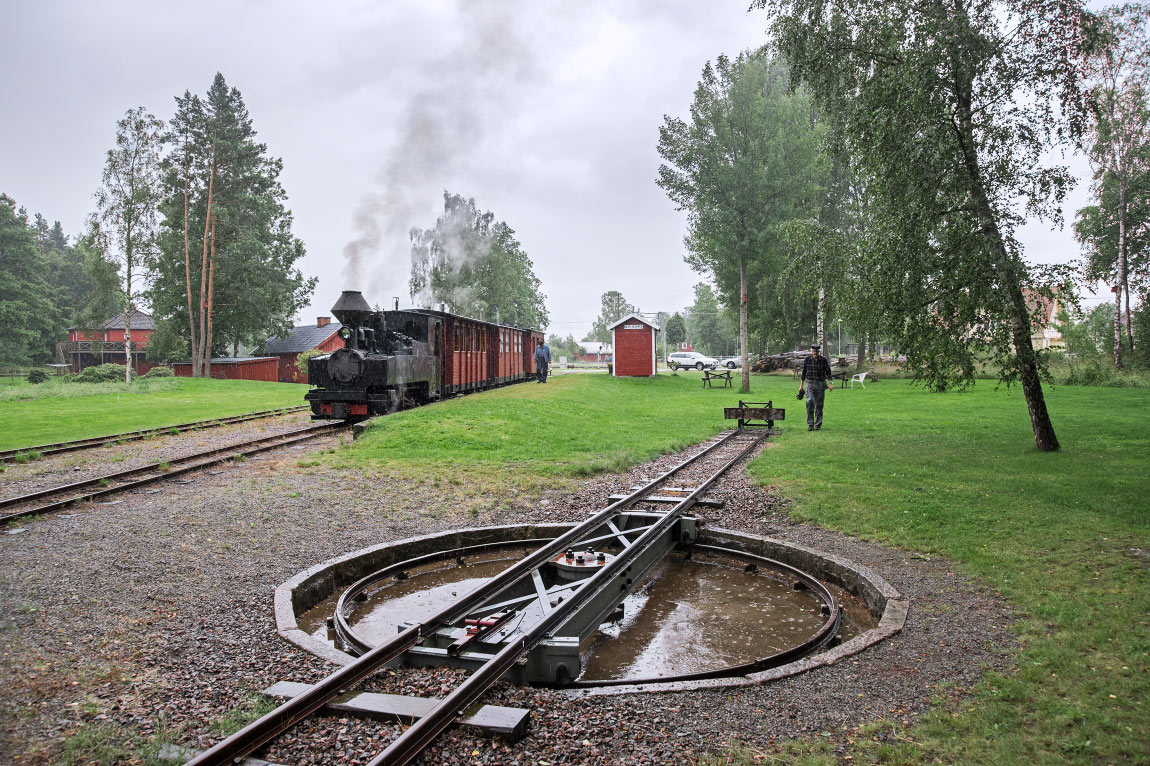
235, 348
862, 352
1121, 275
211, 295
1009, 271
743, 356
198, 351
128, 303
819, 321
1129, 312
188, 259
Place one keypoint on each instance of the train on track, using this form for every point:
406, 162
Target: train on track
394, 359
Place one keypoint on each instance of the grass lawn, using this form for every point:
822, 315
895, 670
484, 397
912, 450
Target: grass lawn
167, 401
1063, 536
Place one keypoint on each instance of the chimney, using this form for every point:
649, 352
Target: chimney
322, 321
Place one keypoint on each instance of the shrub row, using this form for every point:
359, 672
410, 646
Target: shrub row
103, 373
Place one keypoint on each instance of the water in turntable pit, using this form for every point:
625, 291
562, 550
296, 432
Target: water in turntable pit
689, 616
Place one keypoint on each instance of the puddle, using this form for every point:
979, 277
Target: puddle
690, 616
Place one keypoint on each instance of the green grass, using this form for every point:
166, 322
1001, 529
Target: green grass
178, 400
528, 435
1062, 536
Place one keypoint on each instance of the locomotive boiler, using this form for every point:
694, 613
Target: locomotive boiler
394, 359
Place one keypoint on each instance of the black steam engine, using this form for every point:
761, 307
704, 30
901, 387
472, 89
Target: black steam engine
393, 359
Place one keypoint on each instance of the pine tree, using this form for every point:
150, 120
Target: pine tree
226, 232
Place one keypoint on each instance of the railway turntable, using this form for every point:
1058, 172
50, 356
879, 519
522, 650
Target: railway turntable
533, 621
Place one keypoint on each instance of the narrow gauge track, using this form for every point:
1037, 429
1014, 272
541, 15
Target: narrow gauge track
133, 478
99, 441
615, 576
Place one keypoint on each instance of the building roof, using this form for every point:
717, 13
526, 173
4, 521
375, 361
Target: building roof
636, 318
300, 339
140, 321
594, 346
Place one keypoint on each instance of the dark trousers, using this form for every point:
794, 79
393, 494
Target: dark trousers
816, 390
542, 374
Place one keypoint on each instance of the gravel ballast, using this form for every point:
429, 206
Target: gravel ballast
152, 618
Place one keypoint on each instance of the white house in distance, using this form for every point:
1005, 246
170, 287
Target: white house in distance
633, 339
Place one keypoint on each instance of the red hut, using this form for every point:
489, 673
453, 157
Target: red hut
86, 347
633, 339
322, 335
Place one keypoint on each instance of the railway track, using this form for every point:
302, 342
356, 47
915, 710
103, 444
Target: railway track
97, 487
549, 615
9, 455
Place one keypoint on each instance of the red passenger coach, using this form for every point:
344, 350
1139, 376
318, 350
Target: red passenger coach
483, 354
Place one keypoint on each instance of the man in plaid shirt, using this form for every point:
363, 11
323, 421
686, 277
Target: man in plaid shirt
816, 380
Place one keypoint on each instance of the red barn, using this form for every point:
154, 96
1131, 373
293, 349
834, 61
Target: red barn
89, 347
322, 335
634, 342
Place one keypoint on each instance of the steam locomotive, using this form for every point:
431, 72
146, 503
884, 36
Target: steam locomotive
394, 359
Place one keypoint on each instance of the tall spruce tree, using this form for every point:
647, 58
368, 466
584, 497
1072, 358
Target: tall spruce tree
226, 268
26, 307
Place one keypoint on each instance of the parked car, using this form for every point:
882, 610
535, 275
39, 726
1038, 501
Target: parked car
694, 359
731, 362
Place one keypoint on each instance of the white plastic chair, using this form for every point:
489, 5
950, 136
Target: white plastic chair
860, 377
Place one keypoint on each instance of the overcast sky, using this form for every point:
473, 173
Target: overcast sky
546, 113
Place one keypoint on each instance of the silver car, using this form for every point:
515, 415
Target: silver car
687, 359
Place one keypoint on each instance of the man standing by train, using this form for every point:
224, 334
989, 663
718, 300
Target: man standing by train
542, 359
816, 380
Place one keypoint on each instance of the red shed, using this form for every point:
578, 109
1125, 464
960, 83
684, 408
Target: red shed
323, 335
236, 368
634, 342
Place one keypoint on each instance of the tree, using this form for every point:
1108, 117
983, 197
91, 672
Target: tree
476, 266
1119, 144
224, 203
676, 329
25, 304
708, 328
949, 109
613, 307
749, 159
124, 224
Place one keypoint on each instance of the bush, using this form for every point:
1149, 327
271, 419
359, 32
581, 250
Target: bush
36, 375
103, 373
159, 372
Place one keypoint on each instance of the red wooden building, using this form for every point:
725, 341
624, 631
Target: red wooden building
322, 335
105, 345
633, 339
264, 368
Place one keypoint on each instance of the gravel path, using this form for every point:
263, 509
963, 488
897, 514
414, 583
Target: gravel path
153, 618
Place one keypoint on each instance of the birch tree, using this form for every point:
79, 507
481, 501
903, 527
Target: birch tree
950, 108
125, 221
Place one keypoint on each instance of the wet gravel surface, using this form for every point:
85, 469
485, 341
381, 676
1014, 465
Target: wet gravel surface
152, 620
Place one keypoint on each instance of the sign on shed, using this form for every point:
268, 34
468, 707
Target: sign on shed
633, 338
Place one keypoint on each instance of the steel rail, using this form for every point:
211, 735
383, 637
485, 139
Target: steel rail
97, 441
421, 733
299, 707
214, 457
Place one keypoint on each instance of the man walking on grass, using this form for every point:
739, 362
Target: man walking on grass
816, 380
542, 359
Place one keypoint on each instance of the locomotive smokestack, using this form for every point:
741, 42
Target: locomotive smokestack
351, 309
